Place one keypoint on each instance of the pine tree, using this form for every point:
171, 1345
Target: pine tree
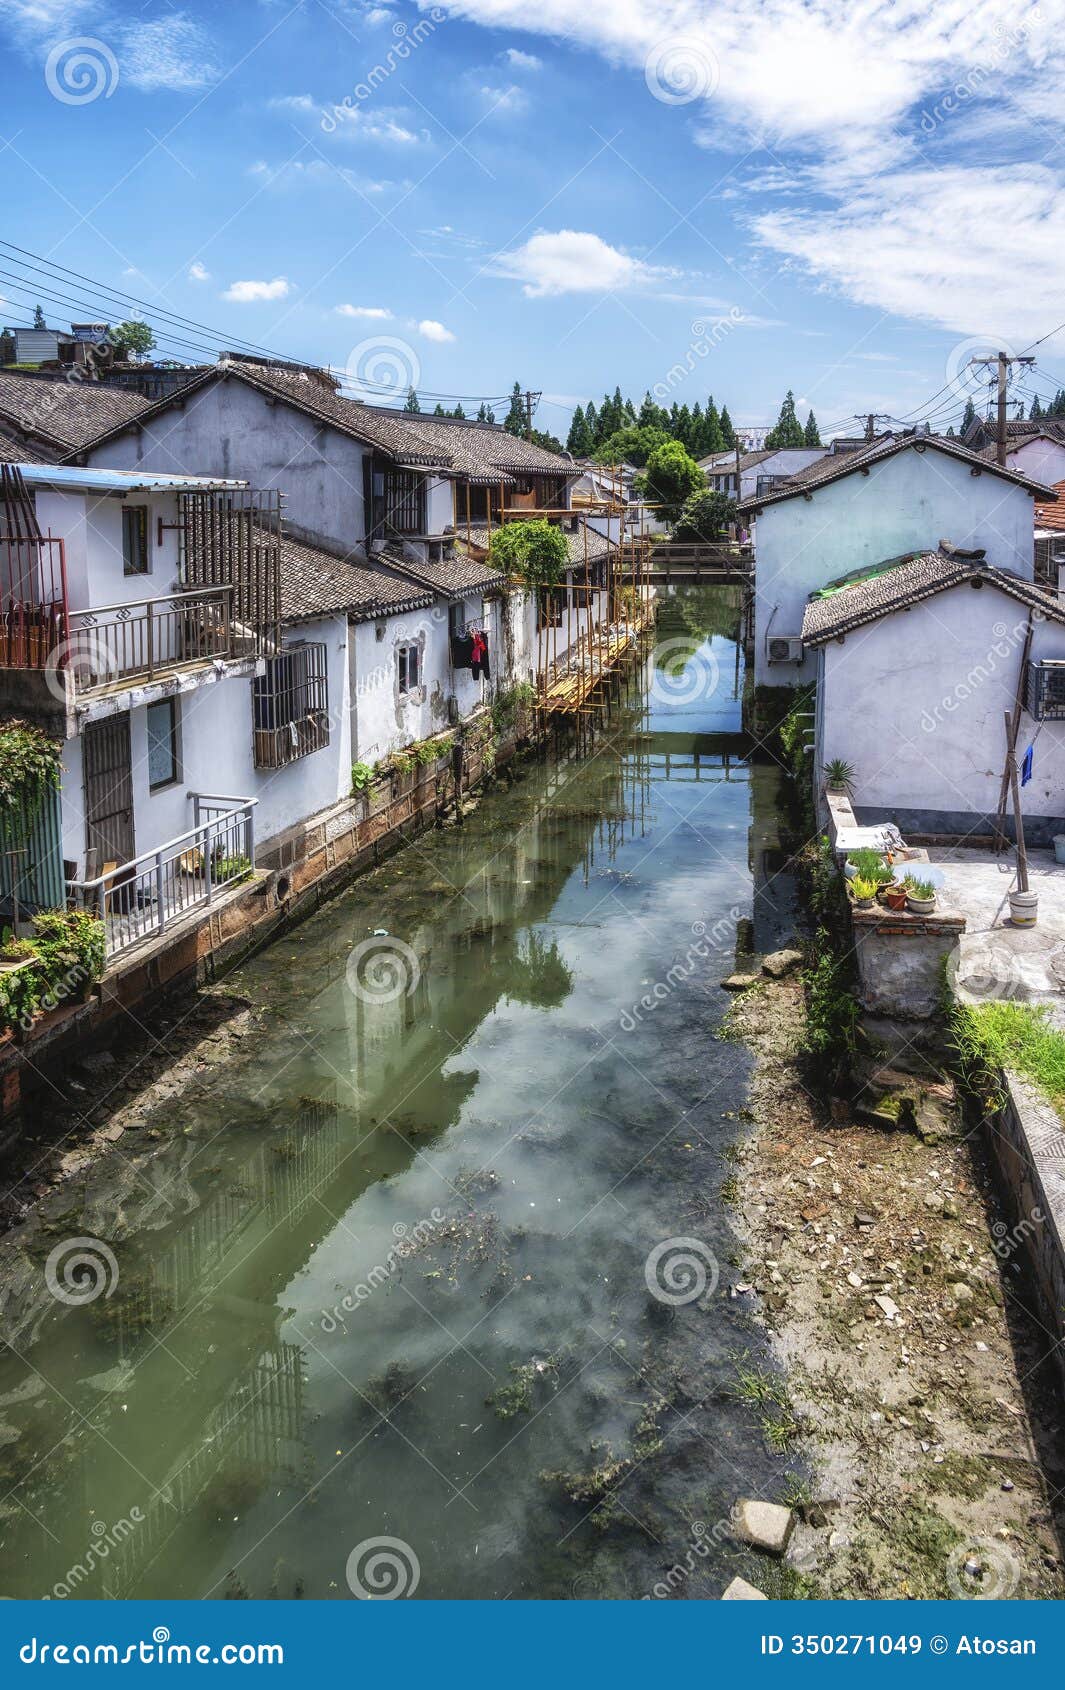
591, 423
630, 413
811, 434
412, 404
439, 410
578, 440
38, 318
713, 434
968, 418
648, 416
459, 412
515, 420
1036, 411
695, 433
728, 433
950, 432
788, 429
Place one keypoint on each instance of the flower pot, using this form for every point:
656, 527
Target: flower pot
864, 903
894, 897
1024, 908
920, 906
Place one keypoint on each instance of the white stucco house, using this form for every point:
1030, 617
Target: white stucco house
759, 472
901, 494
917, 666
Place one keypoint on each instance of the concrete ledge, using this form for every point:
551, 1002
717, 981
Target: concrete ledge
903, 924
1028, 1143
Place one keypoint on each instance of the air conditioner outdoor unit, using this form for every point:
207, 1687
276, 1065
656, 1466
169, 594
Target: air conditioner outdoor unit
784, 648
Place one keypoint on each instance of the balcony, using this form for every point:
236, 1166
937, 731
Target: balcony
33, 597
146, 639
139, 900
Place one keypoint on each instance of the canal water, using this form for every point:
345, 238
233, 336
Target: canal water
428, 1283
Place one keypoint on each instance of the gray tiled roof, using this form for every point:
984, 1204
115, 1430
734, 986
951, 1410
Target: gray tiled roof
317, 583
14, 450
478, 450
455, 577
68, 414
908, 580
835, 467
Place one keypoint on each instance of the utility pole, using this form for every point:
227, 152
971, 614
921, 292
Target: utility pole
531, 399
1003, 362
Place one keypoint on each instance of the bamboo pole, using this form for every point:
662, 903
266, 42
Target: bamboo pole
1018, 819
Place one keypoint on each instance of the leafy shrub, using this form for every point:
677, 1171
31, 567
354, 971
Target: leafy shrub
705, 516
535, 551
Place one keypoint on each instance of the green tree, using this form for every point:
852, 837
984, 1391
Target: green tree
132, 336
705, 516
1036, 411
459, 412
591, 419
579, 441
652, 415
536, 551
788, 428
516, 420
486, 414
728, 433
438, 410
671, 477
412, 404
38, 318
968, 418
811, 434
713, 434
630, 446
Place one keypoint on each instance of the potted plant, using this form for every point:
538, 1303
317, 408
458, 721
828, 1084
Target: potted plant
14, 953
894, 895
839, 777
864, 892
920, 895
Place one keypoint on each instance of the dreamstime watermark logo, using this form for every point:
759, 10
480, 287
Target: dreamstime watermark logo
972, 85
683, 676
86, 658
409, 37
385, 364
1005, 643
969, 380
104, 1539
681, 1270
381, 969
382, 1569
983, 1568
78, 71
703, 1540
1007, 1240
79, 1270
984, 973
409, 1240
704, 945
680, 69
706, 337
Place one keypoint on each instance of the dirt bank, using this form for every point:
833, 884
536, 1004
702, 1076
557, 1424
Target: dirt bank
918, 1381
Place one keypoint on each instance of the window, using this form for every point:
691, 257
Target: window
1045, 690
135, 560
290, 705
408, 662
162, 744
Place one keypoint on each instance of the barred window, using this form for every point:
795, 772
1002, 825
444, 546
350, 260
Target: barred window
291, 706
1045, 691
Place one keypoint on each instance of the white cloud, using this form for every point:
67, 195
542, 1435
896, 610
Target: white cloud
303, 104
432, 330
522, 61
356, 123
245, 293
198, 272
502, 102
173, 52
574, 261
377, 312
948, 247
896, 118
295, 172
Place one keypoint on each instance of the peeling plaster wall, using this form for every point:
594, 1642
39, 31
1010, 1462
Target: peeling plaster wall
915, 702
906, 503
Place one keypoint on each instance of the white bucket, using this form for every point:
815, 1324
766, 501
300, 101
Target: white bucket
1024, 907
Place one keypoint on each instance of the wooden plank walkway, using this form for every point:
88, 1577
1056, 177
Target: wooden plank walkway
570, 692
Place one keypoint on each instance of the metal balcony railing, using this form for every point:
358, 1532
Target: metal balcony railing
140, 899
148, 637
33, 596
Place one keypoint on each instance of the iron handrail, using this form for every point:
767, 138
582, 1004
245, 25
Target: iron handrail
185, 839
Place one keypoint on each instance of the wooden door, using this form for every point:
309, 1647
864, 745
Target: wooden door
108, 790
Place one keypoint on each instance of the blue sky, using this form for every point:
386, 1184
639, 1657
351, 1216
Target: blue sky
731, 198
